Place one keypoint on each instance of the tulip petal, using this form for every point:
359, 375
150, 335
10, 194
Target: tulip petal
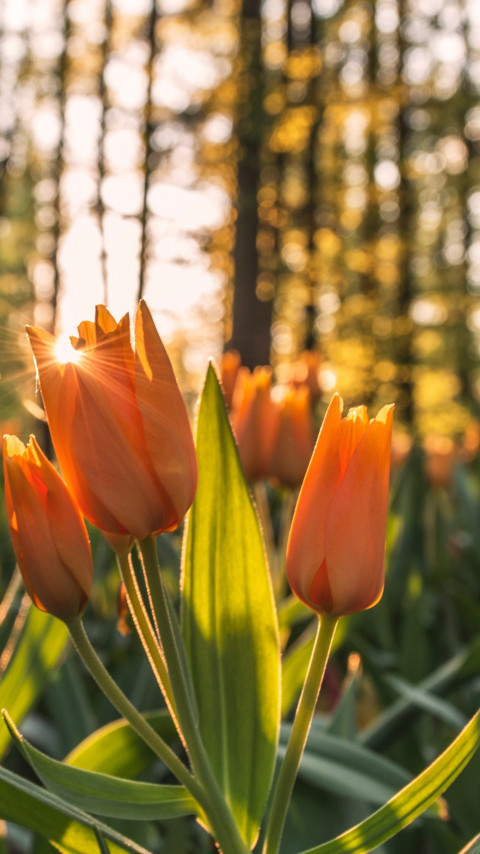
166, 425
48, 579
59, 387
306, 545
356, 521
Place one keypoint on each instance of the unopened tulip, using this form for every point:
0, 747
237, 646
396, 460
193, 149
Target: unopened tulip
336, 548
254, 419
119, 425
294, 439
230, 364
47, 530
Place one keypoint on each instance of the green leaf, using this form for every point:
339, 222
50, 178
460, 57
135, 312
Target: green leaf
411, 801
117, 749
67, 828
41, 643
426, 701
388, 724
229, 621
346, 768
102, 793
472, 847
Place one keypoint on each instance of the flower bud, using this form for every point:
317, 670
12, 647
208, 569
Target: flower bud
294, 439
336, 548
254, 420
47, 530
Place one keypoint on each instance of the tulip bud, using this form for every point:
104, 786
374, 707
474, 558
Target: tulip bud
119, 425
294, 440
47, 530
336, 548
230, 364
254, 420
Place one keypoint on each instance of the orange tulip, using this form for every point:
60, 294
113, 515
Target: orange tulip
254, 419
119, 425
336, 548
47, 530
294, 440
230, 364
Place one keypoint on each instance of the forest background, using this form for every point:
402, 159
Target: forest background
271, 176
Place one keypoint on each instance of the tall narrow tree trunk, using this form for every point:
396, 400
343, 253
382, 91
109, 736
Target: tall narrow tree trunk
252, 317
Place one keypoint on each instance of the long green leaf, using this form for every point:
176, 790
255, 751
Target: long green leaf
67, 828
41, 643
472, 847
346, 768
411, 801
117, 749
102, 793
229, 621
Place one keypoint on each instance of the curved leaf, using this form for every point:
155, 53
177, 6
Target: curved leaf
41, 643
346, 768
229, 621
117, 749
67, 828
101, 793
411, 801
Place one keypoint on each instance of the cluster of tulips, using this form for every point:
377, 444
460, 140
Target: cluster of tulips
128, 462
273, 425
125, 448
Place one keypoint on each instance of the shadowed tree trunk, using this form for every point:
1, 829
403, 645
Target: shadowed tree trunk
251, 316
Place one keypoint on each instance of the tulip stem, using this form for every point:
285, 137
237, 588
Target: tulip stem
123, 705
145, 629
218, 813
299, 732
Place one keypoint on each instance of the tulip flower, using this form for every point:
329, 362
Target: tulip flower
47, 531
336, 548
254, 420
230, 364
294, 439
119, 425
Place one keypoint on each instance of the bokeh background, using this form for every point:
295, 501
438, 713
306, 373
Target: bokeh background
271, 176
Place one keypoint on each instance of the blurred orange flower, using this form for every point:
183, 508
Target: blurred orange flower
336, 548
229, 366
254, 420
119, 425
47, 530
294, 439
439, 460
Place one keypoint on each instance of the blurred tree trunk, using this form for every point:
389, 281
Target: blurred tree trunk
251, 317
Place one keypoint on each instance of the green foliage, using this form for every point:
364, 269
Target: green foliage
40, 645
104, 794
229, 621
68, 829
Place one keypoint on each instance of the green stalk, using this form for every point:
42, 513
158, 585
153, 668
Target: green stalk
298, 736
123, 705
219, 815
145, 629
214, 807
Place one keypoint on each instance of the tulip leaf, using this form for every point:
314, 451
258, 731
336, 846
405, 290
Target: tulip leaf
41, 643
67, 828
102, 793
346, 768
117, 749
229, 621
411, 801
472, 847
